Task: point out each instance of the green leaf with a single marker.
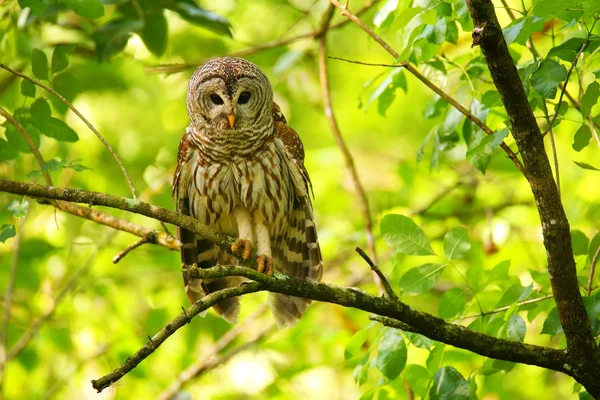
(60, 57)
(155, 32)
(456, 243)
(189, 11)
(546, 79)
(449, 384)
(17, 208)
(355, 343)
(385, 13)
(479, 156)
(567, 51)
(386, 91)
(594, 244)
(39, 64)
(586, 166)
(403, 235)
(419, 280)
(361, 371)
(434, 360)
(40, 110)
(498, 273)
(57, 129)
(67, 85)
(590, 98)
(516, 328)
(37, 7)
(112, 37)
(521, 29)
(552, 324)
(391, 355)
(27, 88)
(580, 242)
(557, 8)
(16, 140)
(417, 377)
(452, 303)
(8, 151)
(6, 232)
(417, 340)
(87, 8)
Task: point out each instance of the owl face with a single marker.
(229, 95)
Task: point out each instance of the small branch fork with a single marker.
(427, 82)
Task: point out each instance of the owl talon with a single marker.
(265, 263)
(242, 248)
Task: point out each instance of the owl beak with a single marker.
(231, 119)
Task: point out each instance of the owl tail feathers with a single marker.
(227, 309)
(287, 310)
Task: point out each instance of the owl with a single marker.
(240, 169)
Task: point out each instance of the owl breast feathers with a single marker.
(240, 169)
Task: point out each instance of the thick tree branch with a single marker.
(582, 348)
(415, 72)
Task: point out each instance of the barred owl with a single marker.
(240, 169)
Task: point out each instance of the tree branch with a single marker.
(555, 226)
(427, 82)
(182, 319)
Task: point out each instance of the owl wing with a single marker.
(296, 251)
(201, 252)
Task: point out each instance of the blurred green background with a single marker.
(112, 308)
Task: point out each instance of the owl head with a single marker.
(229, 94)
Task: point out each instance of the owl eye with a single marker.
(244, 97)
(216, 99)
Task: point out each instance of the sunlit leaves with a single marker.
(546, 79)
(516, 328)
(17, 208)
(57, 129)
(587, 166)
(403, 235)
(449, 384)
(189, 11)
(456, 243)
(567, 50)
(355, 344)
(590, 98)
(580, 242)
(452, 303)
(391, 354)
(40, 110)
(479, 155)
(60, 57)
(557, 8)
(419, 280)
(27, 88)
(87, 8)
(39, 64)
(385, 92)
(6, 232)
(521, 29)
(56, 164)
(112, 37)
(552, 324)
(417, 377)
(155, 32)
(385, 13)
(361, 371)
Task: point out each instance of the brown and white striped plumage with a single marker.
(240, 169)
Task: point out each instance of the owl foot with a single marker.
(242, 248)
(265, 263)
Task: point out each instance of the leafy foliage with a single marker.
(459, 239)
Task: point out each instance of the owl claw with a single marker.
(238, 245)
(265, 263)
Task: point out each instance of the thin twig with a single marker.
(508, 10)
(172, 68)
(89, 125)
(386, 284)
(443, 193)
(210, 360)
(428, 83)
(34, 328)
(181, 320)
(131, 247)
(500, 309)
(592, 271)
(363, 200)
(553, 145)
